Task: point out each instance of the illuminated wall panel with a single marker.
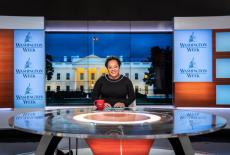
(29, 69)
(193, 56)
(223, 68)
(223, 94)
(222, 42)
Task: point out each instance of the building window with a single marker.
(67, 76)
(81, 88)
(127, 75)
(81, 76)
(58, 88)
(48, 88)
(136, 76)
(92, 76)
(67, 88)
(136, 89)
(58, 76)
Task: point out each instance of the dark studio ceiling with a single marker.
(114, 9)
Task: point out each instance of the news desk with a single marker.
(129, 131)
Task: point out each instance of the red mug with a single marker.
(99, 104)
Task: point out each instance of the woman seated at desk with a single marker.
(115, 89)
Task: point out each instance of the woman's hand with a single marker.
(107, 105)
(119, 105)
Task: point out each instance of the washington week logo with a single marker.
(28, 71)
(28, 97)
(192, 38)
(28, 64)
(28, 90)
(192, 63)
(28, 45)
(28, 38)
(192, 71)
(192, 44)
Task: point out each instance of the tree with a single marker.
(168, 71)
(160, 72)
(154, 58)
(49, 67)
(149, 77)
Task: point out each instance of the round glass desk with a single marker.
(117, 131)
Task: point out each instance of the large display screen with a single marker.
(77, 61)
(193, 56)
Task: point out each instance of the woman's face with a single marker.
(113, 68)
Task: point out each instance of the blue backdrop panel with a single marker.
(29, 69)
(193, 56)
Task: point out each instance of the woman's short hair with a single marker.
(112, 58)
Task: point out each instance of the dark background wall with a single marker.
(114, 9)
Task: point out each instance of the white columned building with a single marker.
(84, 72)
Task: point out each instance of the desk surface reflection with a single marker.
(134, 123)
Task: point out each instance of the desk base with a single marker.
(120, 146)
(182, 145)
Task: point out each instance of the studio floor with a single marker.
(161, 147)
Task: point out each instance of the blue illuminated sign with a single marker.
(29, 69)
(193, 56)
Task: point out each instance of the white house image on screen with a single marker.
(81, 74)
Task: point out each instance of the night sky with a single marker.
(135, 46)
